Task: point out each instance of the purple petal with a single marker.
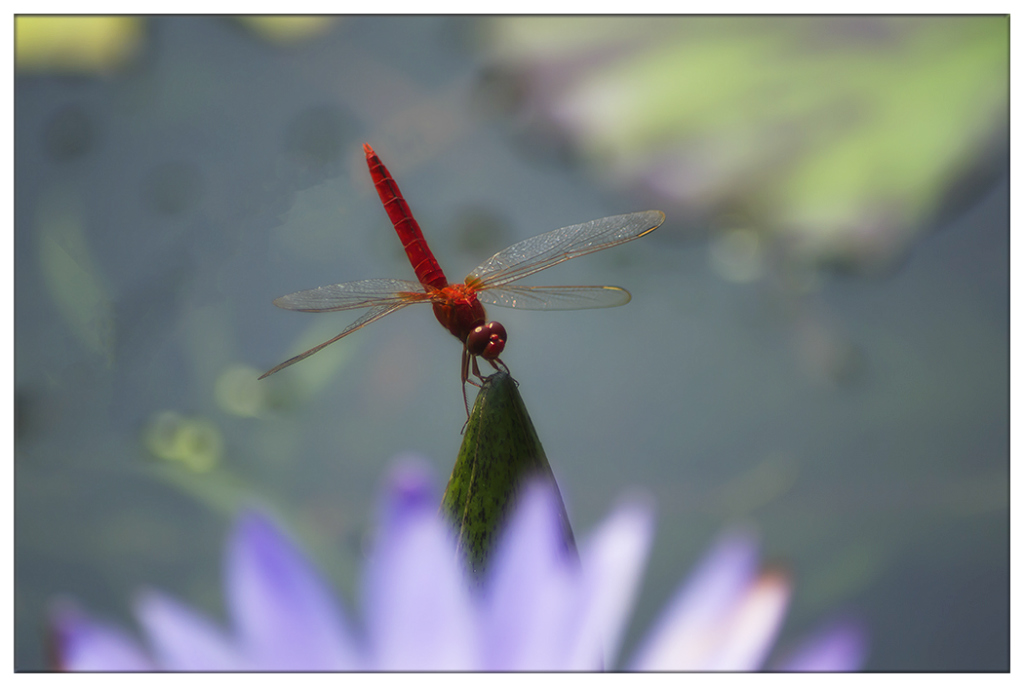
(83, 644)
(285, 615)
(680, 639)
(532, 596)
(408, 492)
(841, 647)
(182, 639)
(612, 559)
(415, 594)
(748, 631)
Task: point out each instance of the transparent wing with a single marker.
(541, 252)
(555, 297)
(366, 319)
(368, 293)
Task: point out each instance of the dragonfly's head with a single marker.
(487, 340)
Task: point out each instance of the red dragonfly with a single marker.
(459, 307)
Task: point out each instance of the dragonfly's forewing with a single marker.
(544, 251)
(368, 293)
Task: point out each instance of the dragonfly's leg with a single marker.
(498, 365)
(465, 378)
(466, 358)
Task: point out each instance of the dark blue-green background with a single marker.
(217, 171)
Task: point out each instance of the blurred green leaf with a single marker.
(72, 277)
(196, 443)
(288, 30)
(838, 135)
(75, 44)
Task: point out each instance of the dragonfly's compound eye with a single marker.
(487, 340)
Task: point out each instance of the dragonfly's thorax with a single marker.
(459, 311)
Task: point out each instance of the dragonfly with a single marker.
(460, 307)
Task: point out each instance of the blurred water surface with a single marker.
(165, 197)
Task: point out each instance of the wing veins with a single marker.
(368, 293)
(366, 319)
(533, 255)
(555, 297)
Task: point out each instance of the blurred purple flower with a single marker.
(538, 608)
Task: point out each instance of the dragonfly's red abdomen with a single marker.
(427, 269)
